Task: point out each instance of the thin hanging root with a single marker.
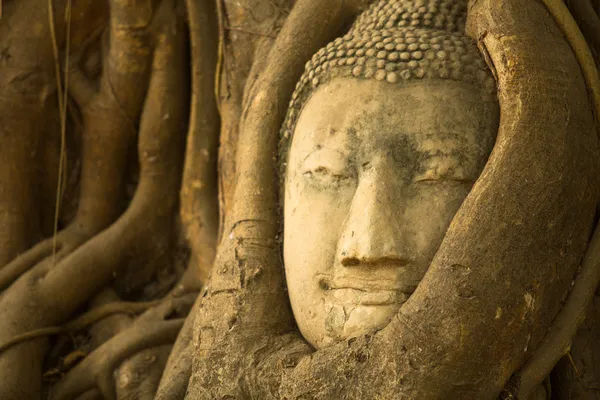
(150, 330)
(82, 321)
(220, 49)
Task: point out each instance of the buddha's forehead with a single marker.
(434, 114)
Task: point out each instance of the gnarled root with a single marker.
(153, 328)
(81, 322)
(139, 376)
(176, 375)
(110, 130)
(588, 21)
(26, 88)
(48, 294)
(199, 205)
(199, 200)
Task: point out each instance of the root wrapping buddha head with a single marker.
(387, 131)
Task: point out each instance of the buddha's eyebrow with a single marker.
(436, 144)
(328, 129)
(320, 147)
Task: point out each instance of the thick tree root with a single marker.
(27, 116)
(588, 20)
(199, 208)
(105, 329)
(48, 294)
(49, 251)
(253, 221)
(560, 334)
(109, 120)
(153, 328)
(199, 200)
(81, 322)
(24, 262)
(98, 370)
(138, 377)
(109, 133)
(92, 394)
(564, 19)
(177, 372)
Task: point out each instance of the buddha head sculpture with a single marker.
(387, 131)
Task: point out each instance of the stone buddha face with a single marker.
(375, 174)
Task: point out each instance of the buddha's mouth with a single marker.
(367, 293)
(369, 297)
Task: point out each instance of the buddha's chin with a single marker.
(345, 321)
(363, 319)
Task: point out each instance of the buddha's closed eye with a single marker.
(441, 173)
(443, 169)
(327, 167)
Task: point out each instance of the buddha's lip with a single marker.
(375, 292)
(369, 297)
(329, 282)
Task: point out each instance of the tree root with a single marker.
(98, 368)
(557, 342)
(153, 328)
(48, 251)
(24, 262)
(92, 394)
(560, 334)
(199, 207)
(19, 213)
(82, 322)
(589, 22)
(177, 372)
(48, 294)
(109, 134)
(27, 86)
(254, 212)
(581, 48)
(103, 330)
(138, 377)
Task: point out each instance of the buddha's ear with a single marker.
(510, 254)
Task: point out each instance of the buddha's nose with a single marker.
(372, 233)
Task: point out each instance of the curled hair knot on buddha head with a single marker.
(396, 41)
